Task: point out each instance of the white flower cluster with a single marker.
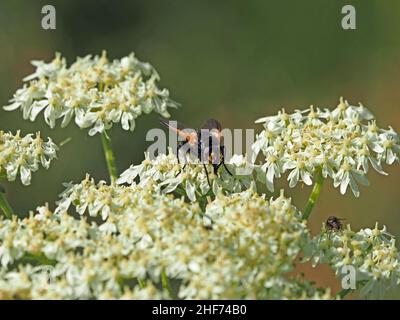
(55, 256)
(341, 144)
(261, 240)
(94, 91)
(372, 252)
(240, 247)
(191, 180)
(279, 288)
(24, 155)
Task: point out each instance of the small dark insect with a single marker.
(205, 143)
(334, 223)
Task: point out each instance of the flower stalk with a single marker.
(141, 283)
(109, 155)
(319, 180)
(4, 205)
(165, 282)
(37, 259)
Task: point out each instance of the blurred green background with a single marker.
(232, 60)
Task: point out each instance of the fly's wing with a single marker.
(211, 140)
(212, 124)
(211, 129)
(180, 129)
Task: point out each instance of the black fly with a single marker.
(334, 223)
(205, 143)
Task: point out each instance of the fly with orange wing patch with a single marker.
(204, 144)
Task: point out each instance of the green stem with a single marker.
(112, 169)
(142, 283)
(319, 180)
(165, 282)
(37, 259)
(4, 205)
(343, 293)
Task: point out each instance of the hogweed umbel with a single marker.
(20, 156)
(316, 144)
(24, 155)
(371, 252)
(189, 179)
(95, 93)
(239, 247)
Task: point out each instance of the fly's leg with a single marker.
(226, 168)
(216, 167)
(208, 178)
(181, 144)
(180, 170)
(222, 163)
(222, 150)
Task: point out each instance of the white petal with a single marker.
(49, 116)
(12, 172)
(129, 175)
(84, 120)
(37, 107)
(190, 191)
(293, 177)
(132, 124)
(390, 156)
(378, 148)
(25, 175)
(377, 166)
(125, 120)
(354, 187)
(344, 183)
(98, 127)
(67, 118)
(306, 178)
(172, 184)
(13, 106)
(270, 178)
